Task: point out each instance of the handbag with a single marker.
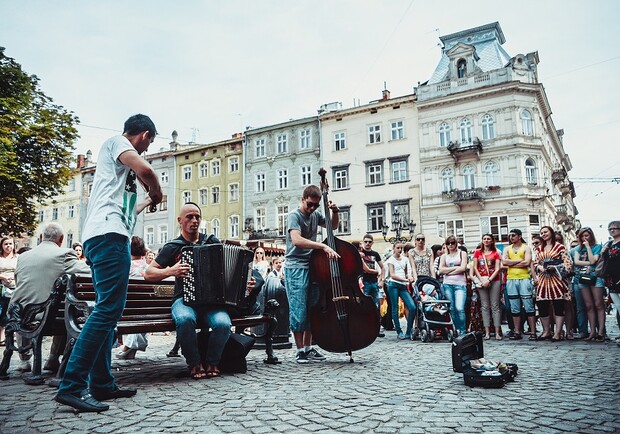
(601, 265)
(587, 279)
(479, 282)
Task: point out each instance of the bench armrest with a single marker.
(76, 310)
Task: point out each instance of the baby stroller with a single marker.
(434, 318)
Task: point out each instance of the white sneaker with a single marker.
(24, 366)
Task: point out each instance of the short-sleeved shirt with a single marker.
(490, 259)
(583, 256)
(307, 224)
(112, 203)
(170, 254)
(372, 259)
(400, 267)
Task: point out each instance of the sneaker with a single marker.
(408, 336)
(314, 356)
(401, 335)
(302, 357)
(509, 334)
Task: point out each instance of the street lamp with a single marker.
(398, 227)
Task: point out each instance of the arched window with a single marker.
(447, 180)
(491, 171)
(488, 127)
(203, 227)
(461, 68)
(215, 226)
(531, 174)
(444, 134)
(469, 177)
(526, 123)
(465, 127)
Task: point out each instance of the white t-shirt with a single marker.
(112, 203)
(400, 267)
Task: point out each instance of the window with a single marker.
(259, 148)
(71, 211)
(491, 171)
(306, 175)
(215, 168)
(233, 226)
(465, 127)
(69, 239)
(163, 205)
(397, 130)
(341, 178)
(340, 141)
(447, 180)
(71, 186)
(187, 173)
(204, 169)
(203, 227)
(374, 134)
(282, 179)
(374, 173)
(216, 227)
(305, 139)
(204, 196)
(233, 164)
(41, 215)
(162, 230)
(215, 195)
(498, 226)
(282, 143)
(187, 196)
(531, 174)
(163, 177)
(469, 177)
(149, 235)
(260, 182)
(534, 222)
(461, 68)
(344, 220)
(526, 123)
(444, 134)
(376, 216)
(55, 213)
(450, 227)
(261, 219)
(282, 219)
(233, 192)
(399, 171)
(488, 127)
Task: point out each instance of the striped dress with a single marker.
(551, 284)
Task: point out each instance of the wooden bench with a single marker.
(147, 310)
(33, 322)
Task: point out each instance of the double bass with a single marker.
(344, 319)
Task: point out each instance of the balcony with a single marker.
(471, 195)
(460, 150)
(558, 175)
(561, 214)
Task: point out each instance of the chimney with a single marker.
(386, 94)
(80, 161)
(237, 135)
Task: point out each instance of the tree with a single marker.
(36, 147)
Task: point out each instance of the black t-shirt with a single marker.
(170, 254)
(371, 258)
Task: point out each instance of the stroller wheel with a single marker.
(424, 335)
(431, 335)
(450, 335)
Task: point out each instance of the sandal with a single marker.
(213, 373)
(599, 338)
(498, 337)
(533, 337)
(487, 337)
(197, 373)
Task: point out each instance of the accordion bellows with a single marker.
(218, 274)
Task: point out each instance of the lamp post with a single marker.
(398, 227)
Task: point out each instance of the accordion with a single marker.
(218, 274)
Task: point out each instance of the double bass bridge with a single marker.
(341, 298)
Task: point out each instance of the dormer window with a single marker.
(461, 68)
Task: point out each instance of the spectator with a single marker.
(397, 287)
(611, 255)
(260, 263)
(487, 271)
(8, 262)
(79, 250)
(421, 259)
(150, 255)
(453, 266)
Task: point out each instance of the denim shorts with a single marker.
(302, 295)
(520, 291)
(600, 283)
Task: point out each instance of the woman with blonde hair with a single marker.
(452, 266)
(260, 263)
(421, 259)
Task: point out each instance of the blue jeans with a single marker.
(89, 364)
(582, 316)
(396, 290)
(302, 295)
(372, 289)
(457, 295)
(188, 318)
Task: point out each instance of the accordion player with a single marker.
(218, 274)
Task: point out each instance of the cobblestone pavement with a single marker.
(393, 386)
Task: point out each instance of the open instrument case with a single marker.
(468, 348)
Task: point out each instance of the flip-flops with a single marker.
(197, 373)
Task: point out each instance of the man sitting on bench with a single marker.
(187, 318)
(36, 271)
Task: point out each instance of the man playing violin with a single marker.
(300, 242)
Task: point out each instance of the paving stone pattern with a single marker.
(393, 387)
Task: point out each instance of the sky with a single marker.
(209, 69)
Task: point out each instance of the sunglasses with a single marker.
(420, 239)
(312, 204)
(586, 229)
(367, 242)
(536, 243)
(451, 243)
(613, 229)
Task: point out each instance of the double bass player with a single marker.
(300, 242)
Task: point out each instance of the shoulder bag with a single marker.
(601, 265)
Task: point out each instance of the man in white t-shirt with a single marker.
(109, 224)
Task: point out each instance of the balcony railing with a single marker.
(558, 175)
(561, 214)
(457, 149)
(472, 194)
